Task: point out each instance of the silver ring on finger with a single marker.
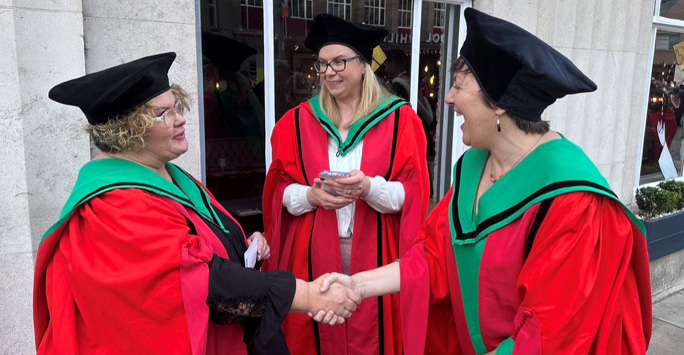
(349, 192)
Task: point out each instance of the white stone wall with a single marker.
(608, 41)
(123, 30)
(42, 145)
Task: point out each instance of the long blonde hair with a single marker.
(372, 94)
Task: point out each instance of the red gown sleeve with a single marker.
(585, 285)
(410, 168)
(114, 281)
(427, 317)
(284, 170)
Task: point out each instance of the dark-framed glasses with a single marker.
(170, 115)
(337, 65)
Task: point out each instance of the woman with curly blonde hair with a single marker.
(143, 259)
(354, 223)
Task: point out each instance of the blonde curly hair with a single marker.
(128, 133)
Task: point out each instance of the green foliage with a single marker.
(667, 198)
(676, 187)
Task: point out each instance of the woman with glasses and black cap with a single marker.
(345, 224)
(530, 252)
(143, 259)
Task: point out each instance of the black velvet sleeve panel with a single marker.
(258, 300)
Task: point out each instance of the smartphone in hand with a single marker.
(331, 175)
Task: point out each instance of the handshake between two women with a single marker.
(333, 297)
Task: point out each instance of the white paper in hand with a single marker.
(251, 253)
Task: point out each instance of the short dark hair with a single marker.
(529, 127)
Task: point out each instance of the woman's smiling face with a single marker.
(466, 99)
(346, 83)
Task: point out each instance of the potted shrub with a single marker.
(662, 210)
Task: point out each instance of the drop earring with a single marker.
(498, 124)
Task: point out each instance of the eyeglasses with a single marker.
(170, 115)
(337, 65)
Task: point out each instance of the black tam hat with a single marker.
(517, 70)
(225, 52)
(328, 29)
(117, 91)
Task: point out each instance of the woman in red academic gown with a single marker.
(360, 222)
(144, 260)
(530, 252)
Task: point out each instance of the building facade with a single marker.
(630, 49)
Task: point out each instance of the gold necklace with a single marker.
(491, 169)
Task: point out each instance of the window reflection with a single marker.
(340, 8)
(375, 12)
(232, 65)
(234, 97)
(431, 75)
(405, 13)
(673, 9)
(665, 108)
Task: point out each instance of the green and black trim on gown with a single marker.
(551, 263)
(131, 245)
(358, 130)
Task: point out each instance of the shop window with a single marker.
(663, 151)
(251, 13)
(340, 8)
(662, 156)
(405, 13)
(673, 9)
(233, 98)
(213, 15)
(375, 12)
(301, 9)
(252, 3)
(440, 14)
(434, 77)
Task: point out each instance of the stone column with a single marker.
(42, 143)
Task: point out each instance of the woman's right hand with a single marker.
(328, 281)
(318, 197)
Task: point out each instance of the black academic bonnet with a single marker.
(517, 70)
(117, 91)
(225, 52)
(328, 29)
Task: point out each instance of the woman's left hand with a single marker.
(264, 251)
(355, 186)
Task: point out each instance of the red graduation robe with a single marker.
(128, 268)
(308, 245)
(559, 272)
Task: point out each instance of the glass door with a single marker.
(441, 36)
(233, 99)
